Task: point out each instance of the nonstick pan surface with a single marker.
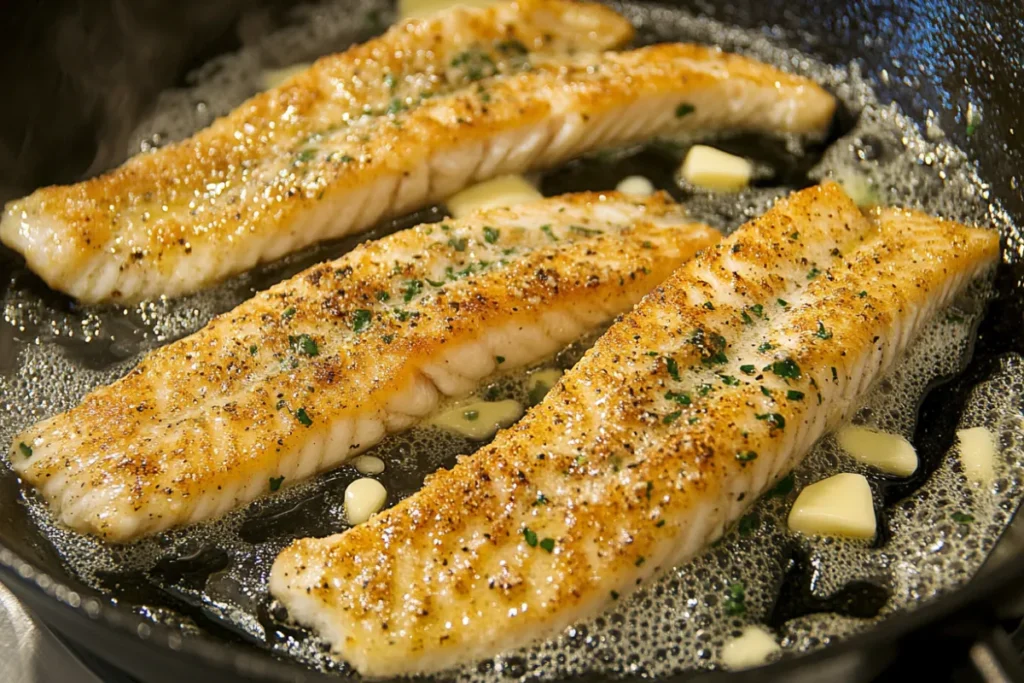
(926, 56)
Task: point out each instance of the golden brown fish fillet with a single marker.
(319, 367)
(315, 159)
(709, 391)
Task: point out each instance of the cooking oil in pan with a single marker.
(935, 529)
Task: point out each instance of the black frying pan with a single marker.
(60, 124)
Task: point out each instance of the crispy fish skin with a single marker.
(695, 403)
(147, 228)
(406, 154)
(318, 368)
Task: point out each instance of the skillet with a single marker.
(926, 56)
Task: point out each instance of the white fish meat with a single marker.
(318, 158)
(318, 368)
(712, 389)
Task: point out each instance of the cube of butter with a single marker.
(838, 506)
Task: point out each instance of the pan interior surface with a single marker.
(210, 580)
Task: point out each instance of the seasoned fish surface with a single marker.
(338, 160)
(697, 401)
(319, 367)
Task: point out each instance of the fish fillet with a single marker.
(337, 160)
(318, 368)
(713, 388)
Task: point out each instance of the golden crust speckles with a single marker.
(703, 396)
(223, 200)
(317, 368)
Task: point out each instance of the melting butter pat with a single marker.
(751, 648)
(363, 498)
(713, 169)
(540, 382)
(837, 506)
(890, 453)
(368, 464)
(410, 9)
(507, 190)
(275, 77)
(636, 186)
(978, 453)
(478, 420)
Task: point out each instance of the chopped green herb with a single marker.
(541, 499)
(434, 283)
(746, 456)
(794, 236)
(361, 319)
(471, 415)
(794, 395)
(530, 536)
(758, 310)
(640, 560)
(511, 47)
(548, 544)
(303, 343)
(787, 368)
(813, 273)
(822, 333)
(388, 338)
(783, 488)
(863, 293)
(708, 305)
(475, 63)
(774, 420)
(729, 380)
(302, 416)
(491, 234)
(25, 449)
(673, 367)
(614, 594)
(693, 420)
(389, 80)
(962, 518)
(275, 483)
(782, 302)
(672, 417)
(684, 110)
(280, 404)
(766, 391)
(412, 288)
(499, 359)
(765, 347)
(704, 388)
(288, 313)
(305, 155)
(735, 599)
(458, 243)
(253, 350)
(680, 397)
(587, 232)
(546, 229)
(747, 320)
(748, 369)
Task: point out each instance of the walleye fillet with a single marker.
(707, 393)
(315, 160)
(319, 367)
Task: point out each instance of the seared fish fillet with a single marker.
(317, 159)
(701, 398)
(318, 368)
